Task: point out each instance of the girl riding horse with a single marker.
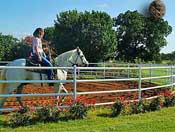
(38, 52)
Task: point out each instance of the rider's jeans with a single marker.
(45, 62)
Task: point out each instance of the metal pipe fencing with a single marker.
(75, 80)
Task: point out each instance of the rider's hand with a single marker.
(45, 49)
(39, 59)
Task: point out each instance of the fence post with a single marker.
(140, 83)
(171, 78)
(128, 70)
(104, 71)
(78, 73)
(75, 82)
(150, 73)
(167, 73)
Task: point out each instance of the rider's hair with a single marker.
(38, 32)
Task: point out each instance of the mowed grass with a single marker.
(98, 121)
(156, 73)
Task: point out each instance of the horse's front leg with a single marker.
(58, 89)
(19, 91)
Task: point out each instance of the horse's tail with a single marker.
(3, 86)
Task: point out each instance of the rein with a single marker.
(75, 61)
(78, 55)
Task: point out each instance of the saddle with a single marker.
(31, 62)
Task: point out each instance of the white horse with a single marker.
(67, 59)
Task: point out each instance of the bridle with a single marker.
(81, 58)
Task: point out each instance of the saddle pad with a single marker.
(30, 62)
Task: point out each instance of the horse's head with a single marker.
(78, 58)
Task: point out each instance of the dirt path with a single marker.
(84, 87)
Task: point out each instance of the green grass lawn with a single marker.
(159, 121)
(132, 74)
(158, 72)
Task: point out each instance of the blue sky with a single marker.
(20, 17)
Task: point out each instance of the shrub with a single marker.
(137, 107)
(48, 114)
(146, 105)
(79, 107)
(117, 108)
(26, 116)
(22, 117)
(23, 110)
(78, 110)
(20, 120)
(155, 104)
(169, 101)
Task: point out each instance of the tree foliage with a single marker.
(28, 40)
(140, 37)
(168, 56)
(49, 34)
(21, 50)
(155, 34)
(11, 48)
(91, 31)
(136, 36)
(7, 42)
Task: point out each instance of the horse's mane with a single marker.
(66, 53)
(62, 59)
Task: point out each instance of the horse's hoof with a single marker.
(51, 84)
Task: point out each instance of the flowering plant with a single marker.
(118, 106)
(169, 99)
(22, 117)
(156, 104)
(48, 113)
(79, 107)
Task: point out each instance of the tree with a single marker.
(28, 40)
(11, 48)
(49, 34)
(20, 50)
(155, 33)
(168, 56)
(130, 26)
(7, 42)
(140, 37)
(91, 31)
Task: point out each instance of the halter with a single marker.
(78, 55)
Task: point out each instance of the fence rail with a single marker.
(75, 78)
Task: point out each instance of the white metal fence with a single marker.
(87, 71)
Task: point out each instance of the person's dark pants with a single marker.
(45, 62)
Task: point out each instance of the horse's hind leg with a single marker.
(9, 90)
(19, 91)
